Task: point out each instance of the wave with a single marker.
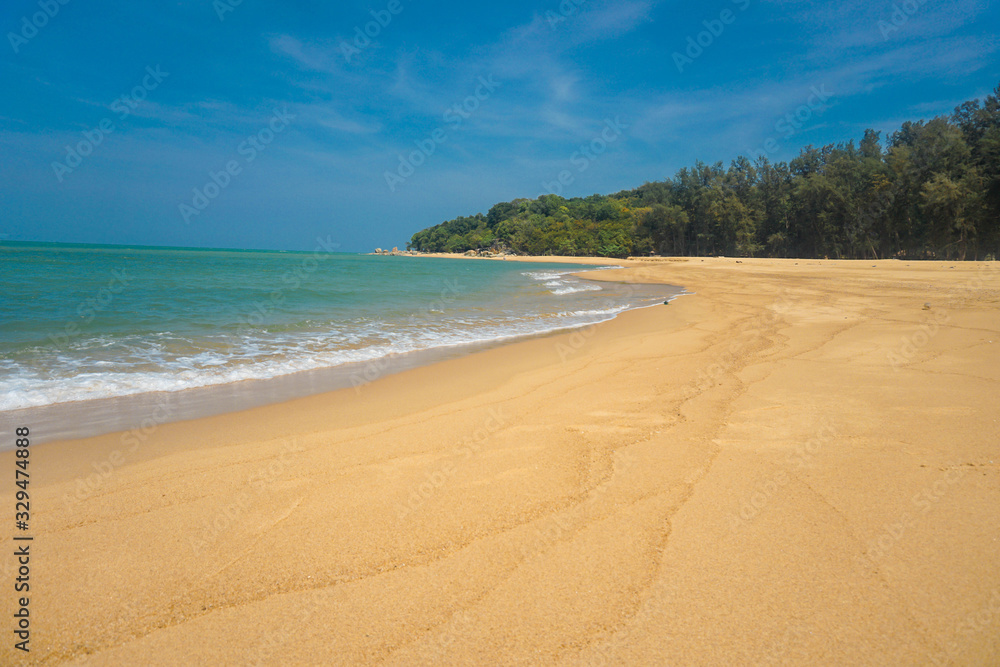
(153, 365)
(173, 350)
(561, 283)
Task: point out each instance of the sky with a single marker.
(269, 125)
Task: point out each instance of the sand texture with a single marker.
(796, 464)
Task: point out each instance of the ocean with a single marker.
(83, 322)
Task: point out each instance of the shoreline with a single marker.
(78, 419)
(796, 463)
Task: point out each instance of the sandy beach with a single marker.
(795, 464)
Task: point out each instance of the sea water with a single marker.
(82, 322)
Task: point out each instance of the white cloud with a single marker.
(611, 20)
(308, 56)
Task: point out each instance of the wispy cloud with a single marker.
(611, 20)
(559, 82)
(318, 58)
(336, 122)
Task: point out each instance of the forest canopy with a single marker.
(929, 190)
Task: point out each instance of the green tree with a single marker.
(952, 207)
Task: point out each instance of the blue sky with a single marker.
(300, 131)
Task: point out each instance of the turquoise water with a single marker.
(82, 322)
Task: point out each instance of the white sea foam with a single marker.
(107, 365)
(571, 288)
(140, 366)
(562, 283)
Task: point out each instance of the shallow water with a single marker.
(83, 327)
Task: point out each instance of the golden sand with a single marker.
(797, 464)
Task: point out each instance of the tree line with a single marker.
(929, 190)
